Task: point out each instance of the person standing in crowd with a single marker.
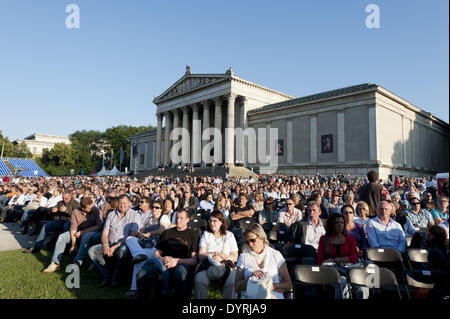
(371, 193)
(383, 231)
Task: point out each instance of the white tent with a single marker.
(113, 172)
(103, 172)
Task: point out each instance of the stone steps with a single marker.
(201, 171)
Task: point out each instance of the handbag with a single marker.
(150, 242)
(259, 288)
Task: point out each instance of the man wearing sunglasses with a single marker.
(289, 214)
(419, 217)
(144, 211)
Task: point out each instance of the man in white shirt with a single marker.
(289, 214)
(309, 230)
(383, 231)
(315, 228)
(207, 204)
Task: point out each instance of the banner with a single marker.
(122, 155)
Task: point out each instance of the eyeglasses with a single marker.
(142, 202)
(415, 203)
(156, 207)
(252, 240)
(348, 212)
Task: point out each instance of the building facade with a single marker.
(36, 143)
(349, 130)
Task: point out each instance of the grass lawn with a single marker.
(21, 277)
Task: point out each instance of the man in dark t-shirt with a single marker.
(175, 258)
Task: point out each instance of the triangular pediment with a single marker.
(190, 83)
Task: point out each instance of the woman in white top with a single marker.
(217, 248)
(283, 193)
(261, 260)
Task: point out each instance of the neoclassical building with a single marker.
(36, 143)
(349, 130)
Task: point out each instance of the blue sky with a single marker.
(55, 80)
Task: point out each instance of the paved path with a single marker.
(11, 237)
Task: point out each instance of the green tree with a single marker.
(87, 147)
(21, 150)
(117, 137)
(6, 146)
(59, 160)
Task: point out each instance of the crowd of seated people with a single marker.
(171, 236)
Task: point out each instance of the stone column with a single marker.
(176, 121)
(218, 126)
(229, 134)
(205, 125)
(186, 137)
(167, 131)
(196, 135)
(241, 140)
(158, 139)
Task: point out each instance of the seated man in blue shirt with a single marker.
(440, 214)
(383, 231)
(118, 226)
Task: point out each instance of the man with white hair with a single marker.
(383, 231)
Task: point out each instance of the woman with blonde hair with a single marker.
(259, 262)
(362, 213)
(258, 201)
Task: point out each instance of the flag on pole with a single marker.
(122, 155)
(112, 156)
(103, 160)
(82, 171)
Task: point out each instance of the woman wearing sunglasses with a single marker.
(261, 260)
(218, 253)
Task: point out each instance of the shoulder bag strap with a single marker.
(327, 248)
